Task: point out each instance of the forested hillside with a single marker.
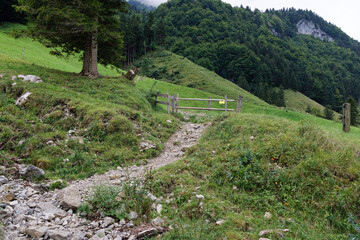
(263, 50)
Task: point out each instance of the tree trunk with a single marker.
(94, 54)
(86, 61)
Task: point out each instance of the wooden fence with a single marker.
(173, 103)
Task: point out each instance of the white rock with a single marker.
(108, 221)
(133, 215)
(122, 222)
(3, 180)
(152, 197)
(157, 221)
(69, 198)
(220, 222)
(268, 215)
(21, 100)
(269, 231)
(30, 78)
(159, 208)
(95, 238)
(50, 211)
(118, 238)
(21, 209)
(13, 203)
(200, 197)
(308, 28)
(100, 233)
(13, 78)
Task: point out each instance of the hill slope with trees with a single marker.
(255, 49)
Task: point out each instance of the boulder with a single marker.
(21, 100)
(31, 171)
(108, 221)
(58, 234)
(21, 209)
(6, 212)
(36, 232)
(3, 180)
(50, 211)
(69, 198)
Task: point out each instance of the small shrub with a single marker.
(151, 94)
(117, 202)
(329, 113)
(58, 185)
(196, 229)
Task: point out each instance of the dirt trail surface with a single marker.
(29, 211)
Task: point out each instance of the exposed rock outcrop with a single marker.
(21, 100)
(30, 78)
(308, 28)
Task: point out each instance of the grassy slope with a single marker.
(176, 69)
(298, 101)
(36, 53)
(109, 114)
(249, 164)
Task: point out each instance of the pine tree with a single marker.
(281, 98)
(328, 112)
(160, 33)
(72, 26)
(354, 111)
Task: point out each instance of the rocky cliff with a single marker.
(309, 28)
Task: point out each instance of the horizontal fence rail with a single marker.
(173, 103)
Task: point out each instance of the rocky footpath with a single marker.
(29, 210)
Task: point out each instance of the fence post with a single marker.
(156, 98)
(177, 102)
(23, 53)
(210, 102)
(168, 101)
(346, 117)
(239, 104)
(173, 103)
(225, 103)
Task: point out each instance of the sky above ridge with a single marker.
(345, 14)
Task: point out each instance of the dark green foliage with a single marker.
(143, 33)
(8, 12)
(328, 112)
(252, 48)
(139, 6)
(69, 28)
(308, 109)
(354, 111)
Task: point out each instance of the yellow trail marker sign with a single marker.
(222, 102)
